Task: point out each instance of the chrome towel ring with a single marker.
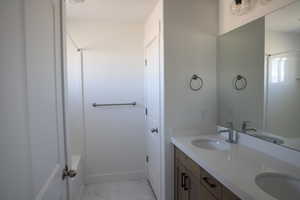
(195, 77)
(240, 82)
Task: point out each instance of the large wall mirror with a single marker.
(259, 77)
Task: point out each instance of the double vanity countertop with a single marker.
(236, 167)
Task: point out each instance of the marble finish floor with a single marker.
(121, 190)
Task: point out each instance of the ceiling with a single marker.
(286, 20)
(131, 11)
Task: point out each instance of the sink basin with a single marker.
(279, 186)
(211, 144)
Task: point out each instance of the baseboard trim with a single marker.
(101, 178)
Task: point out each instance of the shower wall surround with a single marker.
(113, 73)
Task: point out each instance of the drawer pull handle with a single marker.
(183, 180)
(187, 183)
(206, 180)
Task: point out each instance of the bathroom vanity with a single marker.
(258, 97)
(209, 168)
(192, 182)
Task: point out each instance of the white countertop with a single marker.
(236, 168)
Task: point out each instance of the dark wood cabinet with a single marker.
(182, 192)
(194, 189)
(188, 185)
(194, 183)
(228, 195)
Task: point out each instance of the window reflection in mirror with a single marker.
(267, 53)
(282, 113)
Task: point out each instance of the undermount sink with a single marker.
(279, 186)
(211, 144)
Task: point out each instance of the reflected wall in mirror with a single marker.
(266, 53)
(282, 109)
(241, 53)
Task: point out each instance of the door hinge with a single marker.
(146, 62)
(146, 111)
(68, 173)
(147, 159)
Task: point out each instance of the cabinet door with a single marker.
(193, 185)
(182, 192)
(196, 191)
(211, 184)
(176, 178)
(204, 194)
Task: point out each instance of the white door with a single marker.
(32, 136)
(44, 84)
(153, 133)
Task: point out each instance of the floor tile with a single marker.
(122, 190)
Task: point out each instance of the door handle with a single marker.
(68, 173)
(154, 130)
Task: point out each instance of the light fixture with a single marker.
(240, 7)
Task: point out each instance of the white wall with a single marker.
(228, 22)
(75, 122)
(75, 116)
(190, 35)
(152, 23)
(15, 167)
(190, 48)
(242, 52)
(113, 73)
(278, 42)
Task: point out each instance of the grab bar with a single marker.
(114, 104)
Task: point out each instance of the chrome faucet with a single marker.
(245, 128)
(232, 134)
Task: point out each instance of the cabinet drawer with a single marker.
(205, 195)
(228, 195)
(188, 163)
(211, 184)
